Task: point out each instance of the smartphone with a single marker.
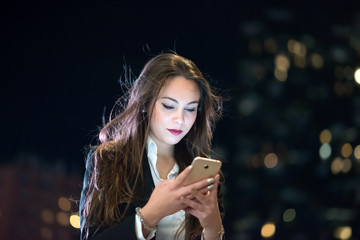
(202, 168)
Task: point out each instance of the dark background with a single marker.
(60, 70)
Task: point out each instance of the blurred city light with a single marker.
(343, 233)
(271, 160)
(317, 61)
(346, 150)
(289, 215)
(325, 136)
(280, 74)
(340, 165)
(357, 152)
(357, 76)
(75, 220)
(268, 230)
(62, 218)
(325, 151)
(282, 62)
(64, 204)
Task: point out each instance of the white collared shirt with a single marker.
(168, 226)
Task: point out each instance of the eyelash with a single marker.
(170, 108)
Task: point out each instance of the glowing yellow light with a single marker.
(357, 76)
(46, 233)
(280, 75)
(346, 150)
(47, 216)
(282, 62)
(289, 215)
(268, 230)
(271, 160)
(336, 165)
(297, 48)
(357, 152)
(64, 204)
(62, 218)
(346, 165)
(325, 151)
(75, 221)
(343, 233)
(290, 45)
(317, 61)
(325, 136)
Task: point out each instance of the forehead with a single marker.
(180, 88)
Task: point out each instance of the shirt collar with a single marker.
(152, 157)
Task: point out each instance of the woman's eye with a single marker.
(167, 107)
(191, 109)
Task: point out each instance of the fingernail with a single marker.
(210, 180)
(190, 167)
(211, 186)
(192, 190)
(182, 198)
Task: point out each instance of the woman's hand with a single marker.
(205, 207)
(166, 197)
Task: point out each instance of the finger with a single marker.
(190, 203)
(199, 196)
(200, 184)
(182, 176)
(213, 193)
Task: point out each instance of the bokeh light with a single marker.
(357, 76)
(268, 230)
(347, 164)
(289, 215)
(282, 62)
(325, 151)
(271, 160)
(340, 165)
(317, 61)
(75, 220)
(64, 204)
(346, 150)
(357, 152)
(280, 74)
(343, 232)
(62, 218)
(325, 136)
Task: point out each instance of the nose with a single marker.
(178, 117)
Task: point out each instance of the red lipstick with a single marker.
(174, 131)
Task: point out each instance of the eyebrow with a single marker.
(174, 100)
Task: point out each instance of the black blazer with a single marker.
(125, 229)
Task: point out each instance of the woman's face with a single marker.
(175, 111)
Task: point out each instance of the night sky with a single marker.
(61, 64)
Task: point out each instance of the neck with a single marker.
(165, 160)
(166, 151)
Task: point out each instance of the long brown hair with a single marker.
(117, 174)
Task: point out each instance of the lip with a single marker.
(175, 132)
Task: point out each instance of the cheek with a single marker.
(191, 120)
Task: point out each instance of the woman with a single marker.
(133, 181)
